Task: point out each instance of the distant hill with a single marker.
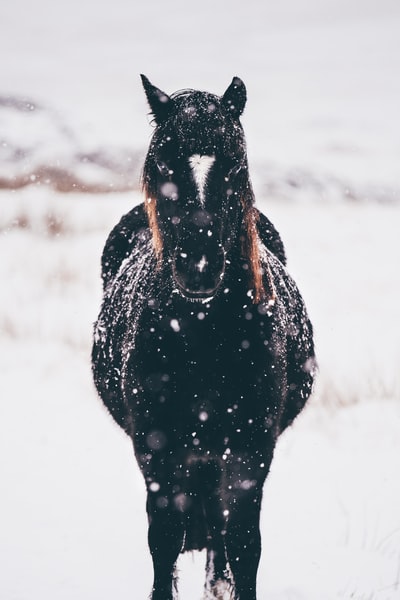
(37, 147)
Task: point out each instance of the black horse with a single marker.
(203, 350)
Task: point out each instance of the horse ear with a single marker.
(235, 97)
(160, 103)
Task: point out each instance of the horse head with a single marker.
(199, 197)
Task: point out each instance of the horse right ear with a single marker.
(160, 103)
(235, 97)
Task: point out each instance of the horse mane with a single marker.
(250, 246)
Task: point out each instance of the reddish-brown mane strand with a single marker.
(251, 252)
(151, 211)
(250, 243)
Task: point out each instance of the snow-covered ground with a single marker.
(72, 516)
(324, 145)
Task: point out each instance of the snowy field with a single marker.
(73, 505)
(324, 146)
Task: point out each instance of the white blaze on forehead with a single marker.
(201, 166)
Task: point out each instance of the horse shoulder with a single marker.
(298, 331)
(270, 237)
(122, 240)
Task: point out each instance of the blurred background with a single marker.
(323, 136)
(322, 80)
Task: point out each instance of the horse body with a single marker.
(199, 361)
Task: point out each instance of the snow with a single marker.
(73, 503)
(323, 136)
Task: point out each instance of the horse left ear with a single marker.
(235, 97)
(160, 103)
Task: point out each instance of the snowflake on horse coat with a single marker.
(203, 350)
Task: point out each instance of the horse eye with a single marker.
(164, 169)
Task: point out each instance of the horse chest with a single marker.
(204, 374)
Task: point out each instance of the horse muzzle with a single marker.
(198, 269)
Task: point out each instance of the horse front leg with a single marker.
(218, 583)
(245, 477)
(165, 537)
(209, 475)
(243, 542)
